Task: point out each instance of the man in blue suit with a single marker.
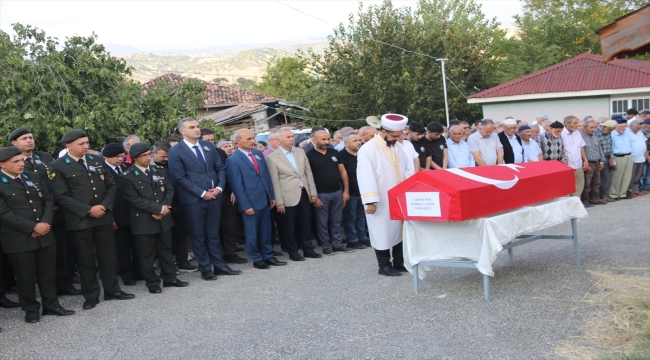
(199, 172)
(250, 181)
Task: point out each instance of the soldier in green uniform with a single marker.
(37, 161)
(149, 192)
(26, 210)
(86, 191)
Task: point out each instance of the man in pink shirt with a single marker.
(273, 141)
(574, 152)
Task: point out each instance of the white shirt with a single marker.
(573, 142)
(516, 149)
(339, 146)
(531, 150)
(114, 167)
(292, 160)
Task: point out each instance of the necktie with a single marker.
(19, 180)
(257, 168)
(200, 156)
(82, 163)
(28, 160)
(118, 170)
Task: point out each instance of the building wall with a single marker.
(556, 109)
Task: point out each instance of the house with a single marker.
(583, 85)
(234, 108)
(217, 97)
(628, 35)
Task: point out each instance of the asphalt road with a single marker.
(338, 307)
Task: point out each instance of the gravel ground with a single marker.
(338, 307)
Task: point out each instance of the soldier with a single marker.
(37, 161)
(150, 194)
(86, 190)
(26, 210)
(127, 257)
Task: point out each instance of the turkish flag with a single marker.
(468, 193)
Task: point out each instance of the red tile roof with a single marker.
(581, 73)
(215, 94)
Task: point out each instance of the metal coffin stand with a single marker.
(520, 240)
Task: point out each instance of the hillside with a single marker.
(231, 65)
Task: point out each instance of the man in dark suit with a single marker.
(37, 161)
(199, 172)
(513, 150)
(84, 188)
(180, 233)
(148, 191)
(26, 210)
(250, 181)
(127, 256)
(229, 215)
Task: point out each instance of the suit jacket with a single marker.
(508, 155)
(120, 205)
(192, 178)
(77, 189)
(21, 208)
(286, 180)
(308, 146)
(251, 189)
(146, 196)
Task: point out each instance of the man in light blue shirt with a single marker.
(458, 150)
(622, 149)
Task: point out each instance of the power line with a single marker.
(377, 41)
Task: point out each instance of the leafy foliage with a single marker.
(52, 88)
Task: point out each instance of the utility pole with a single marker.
(444, 87)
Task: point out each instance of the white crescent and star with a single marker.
(501, 184)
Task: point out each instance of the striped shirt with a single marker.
(605, 141)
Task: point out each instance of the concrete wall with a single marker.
(556, 109)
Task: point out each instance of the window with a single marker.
(619, 106)
(641, 104)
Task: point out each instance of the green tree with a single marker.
(288, 78)
(360, 74)
(553, 31)
(52, 88)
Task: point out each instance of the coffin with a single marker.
(468, 193)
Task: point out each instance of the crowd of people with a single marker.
(136, 207)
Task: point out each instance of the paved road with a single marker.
(338, 307)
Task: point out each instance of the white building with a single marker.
(583, 85)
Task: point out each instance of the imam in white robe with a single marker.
(380, 168)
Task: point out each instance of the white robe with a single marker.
(379, 168)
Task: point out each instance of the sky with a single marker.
(164, 25)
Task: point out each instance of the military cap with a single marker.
(73, 135)
(138, 149)
(8, 152)
(557, 125)
(18, 133)
(112, 150)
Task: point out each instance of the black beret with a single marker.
(73, 135)
(138, 149)
(9, 152)
(112, 150)
(18, 133)
(557, 125)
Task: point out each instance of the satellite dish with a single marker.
(373, 121)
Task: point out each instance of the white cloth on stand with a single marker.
(479, 240)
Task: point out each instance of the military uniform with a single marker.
(38, 163)
(146, 193)
(77, 188)
(22, 205)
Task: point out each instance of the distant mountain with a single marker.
(118, 49)
(227, 63)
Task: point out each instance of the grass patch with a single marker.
(619, 328)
